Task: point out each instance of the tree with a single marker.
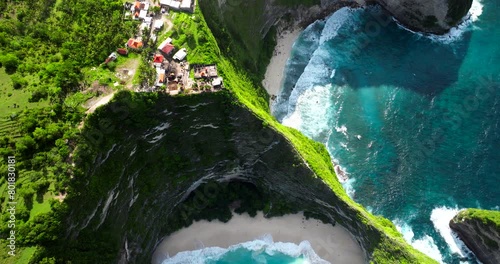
(10, 62)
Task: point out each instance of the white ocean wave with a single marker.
(440, 218)
(335, 22)
(425, 244)
(318, 70)
(349, 188)
(258, 246)
(311, 112)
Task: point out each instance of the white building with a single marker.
(174, 4)
(180, 55)
(143, 14)
(217, 82)
(186, 5)
(160, 77)
(158, 24)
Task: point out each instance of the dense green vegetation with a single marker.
(242, 43)
(191, 32)
(46, 46)
(487, 217)
(47, 50)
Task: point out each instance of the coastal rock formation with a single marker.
(154, 153)
(431, 16)
(480, 231)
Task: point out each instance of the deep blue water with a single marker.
(414, 120)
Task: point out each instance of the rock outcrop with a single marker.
(480, 231)
(430, 16)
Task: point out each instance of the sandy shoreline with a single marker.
(282, 51)
(331, 243)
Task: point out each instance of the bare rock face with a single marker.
(480, 233)
(430, 16)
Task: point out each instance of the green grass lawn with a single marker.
(23, 255)
(10, 96)
(40, 207)
(488, 217)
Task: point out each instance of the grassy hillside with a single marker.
(487, 217)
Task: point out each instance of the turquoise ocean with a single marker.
(414, 120)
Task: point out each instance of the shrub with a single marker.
(18, 81)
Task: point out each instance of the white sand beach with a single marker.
(274, 73)
(331, 243)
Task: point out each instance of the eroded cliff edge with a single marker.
(431, 16)
(255, 18)
(145, 155)
(480, 231)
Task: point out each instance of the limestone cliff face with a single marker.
(432, 16)
(152, 158)
(481, 236)
(205, 139)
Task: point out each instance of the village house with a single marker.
(166, 47)
(158, 60)
(153, 37)
(180, 55)
(122, 51)
(158, 24)
(205, 71)
(184, 5)
(160, 77)
(134, 44)
(140, 10)
(111, 58)
(217, 83)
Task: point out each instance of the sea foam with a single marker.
(259, 246)
(440, 218)
(425, 244)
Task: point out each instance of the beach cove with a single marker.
(331, 243)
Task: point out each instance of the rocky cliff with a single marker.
(257, 16)
(480, 231)
(146, 156)
(432, 16)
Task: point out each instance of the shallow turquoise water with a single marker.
(243, 256)
(414, 120)
(260, 251)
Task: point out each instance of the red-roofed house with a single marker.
(167, 49)
(134, 44)
(138, 5)
(122, 51)
(158, 60)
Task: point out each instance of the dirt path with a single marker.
(101, 101)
